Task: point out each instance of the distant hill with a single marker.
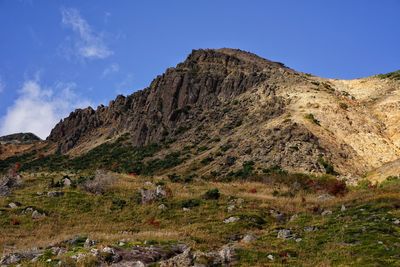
(22, 138)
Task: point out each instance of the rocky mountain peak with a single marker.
(204, 80)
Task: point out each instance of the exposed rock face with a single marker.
(204, 80)
(221, 93)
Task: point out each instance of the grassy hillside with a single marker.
(357, 227)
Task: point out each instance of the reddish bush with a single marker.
(253, 190)
(114, 166)
(17, 166)
(154, 222)
(336, 187)
(15, 222)
(331, 186)
(372, 186)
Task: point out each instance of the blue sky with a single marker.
(60, 55)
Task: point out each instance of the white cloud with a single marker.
(86, 43)
(113, 68)
(37, 109)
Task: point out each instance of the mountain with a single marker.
(221, 109)
(263, 111)
(258, 165)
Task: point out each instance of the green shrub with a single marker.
(225, 147)
(246, 171)
(190, 203)
(169, 161)
(312, 119)
(174, 178)
(274, 169)
(118, 204)
(329, 169)
(202, 149)
(212, 194)
(189, 178)
(207, 160)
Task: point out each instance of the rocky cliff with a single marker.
(204, 80)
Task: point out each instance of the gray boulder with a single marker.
(285, 234)
(184, 259)
(227, 253)
(326, 212)
(249, 238)
(8, 182)
(152, 195)
(231, 219)
(37, 215)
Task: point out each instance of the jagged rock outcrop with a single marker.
(204, 80)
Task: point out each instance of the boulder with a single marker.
(326, 212)
(231, 219)
(152, 195)
(14, 205)
(249, 238)
(227, 253)
(285, 234)
(231, 208)
(184, 259)
(66, 182)
(89, 243)
(8, 182)
(162, 207)
(37, 215)
(16, 258)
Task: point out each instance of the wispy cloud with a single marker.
(38, 108)
(85, 43)
(113, 68)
